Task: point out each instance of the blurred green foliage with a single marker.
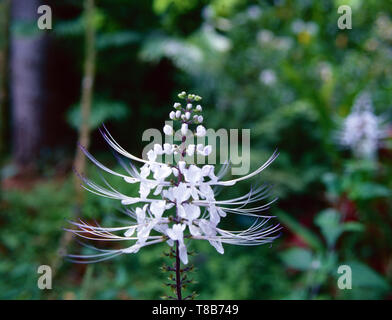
(282, 69)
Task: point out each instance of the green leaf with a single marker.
(364, 276)
(297, 258)
(353, 226)
(309, 237)
(116, 39)
(101, 111)
(368, 190)
(69, 28)
(329, 222)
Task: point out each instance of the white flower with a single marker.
(168, 130)
(161, 172)
(178, 194)
(362, 129)
(167, 148)
(268, 77)
(187, 115)
(144, 190)
(189, 106)
(200, 131)
(199, 108)
(158, 149)
(190, 150)
(193, 175)
(254, 12)
(184, 129)
(184, 206)
(208, 171)
(210, 231)
(299, 26)
(158, 207)
(145, 171)
(177, 234)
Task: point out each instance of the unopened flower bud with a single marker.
(198, 108)
(200, 119)
(182, 95)
(177, 106)
(189, 106)
(207, 150)
(168, 130)
(172, 115)
(187, 115)
(200, 131)
(178, 114)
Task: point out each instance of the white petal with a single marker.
(191, 211)
(158, 207)
(184, 129)
(207, 150)
(195, 231)
(151, 155)
(129, 201)
(218, 246)
(183, 253)
(130, 232)
(158, 149)
(181, 211)
(133, 249)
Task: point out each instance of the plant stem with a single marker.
(87, 96)
(84, 128)
(178, 273)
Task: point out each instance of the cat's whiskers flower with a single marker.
(188, 188)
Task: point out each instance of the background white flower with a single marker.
(362, 130)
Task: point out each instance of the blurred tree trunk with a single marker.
(27, 62)
(87, 95)
(4, 39)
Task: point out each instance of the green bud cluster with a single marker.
(185, 281)
(190, 97)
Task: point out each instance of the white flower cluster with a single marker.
(299, 26)
(175, 202)
(362, 129)
(268, 77)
